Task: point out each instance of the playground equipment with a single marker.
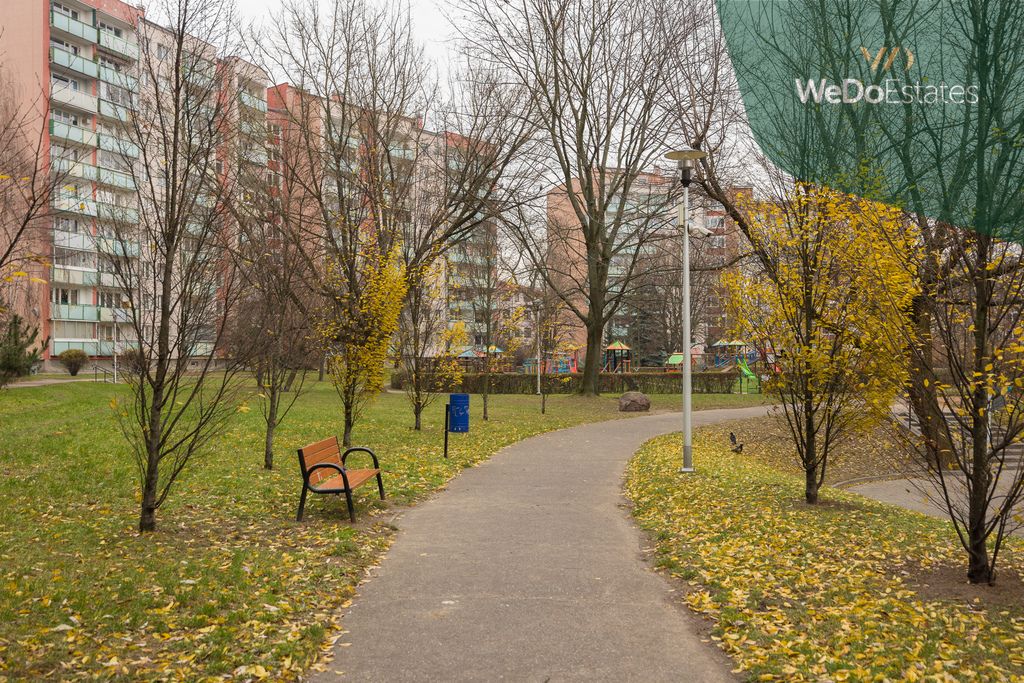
(617, 358)
(746, 375)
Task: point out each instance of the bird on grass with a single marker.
(736, 447)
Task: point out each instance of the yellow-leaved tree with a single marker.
(829, 314)
(357, 326)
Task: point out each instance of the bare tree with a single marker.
(166, 244)
(595, 72)
(484, 292)
(272, 326)
(350, 117)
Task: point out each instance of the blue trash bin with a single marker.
(458, 415)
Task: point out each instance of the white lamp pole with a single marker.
(536, 330)
(686, 159)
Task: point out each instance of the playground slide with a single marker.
(745, 369)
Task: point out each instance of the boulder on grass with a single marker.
(634, 402)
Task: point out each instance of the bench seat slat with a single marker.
(355, 479)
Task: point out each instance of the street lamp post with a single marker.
(686, 159)
(536, 332)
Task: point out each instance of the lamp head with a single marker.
(686, 158)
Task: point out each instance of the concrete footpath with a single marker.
(527, 568)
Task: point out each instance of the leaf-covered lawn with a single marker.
(802, 593)
(230, 585)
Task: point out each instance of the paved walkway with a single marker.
(527, 568)
(919, 495)
(29, 383)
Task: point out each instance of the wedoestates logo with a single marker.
(889, 91)
(916, 104)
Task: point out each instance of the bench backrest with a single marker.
(327, 450)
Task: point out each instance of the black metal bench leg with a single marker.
(302, 505)
(380, 486)
(351, 508)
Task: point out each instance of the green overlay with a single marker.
(916, 104)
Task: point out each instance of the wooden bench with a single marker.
(323, 471)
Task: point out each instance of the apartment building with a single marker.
(76, 64)
(649, 254)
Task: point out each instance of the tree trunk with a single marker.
(323, 363)
(268, 450)
(147, 518)
(811, 486)
(417, 411)
(924, 400)
(592, 360)
(543, 403)
(349, 421)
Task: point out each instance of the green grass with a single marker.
(802, 592)
(230, 584)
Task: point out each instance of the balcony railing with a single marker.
(76, 63)
(112, 245)
(118, 78)
(109, 315)
(109, 176)
(252, 102)
(73, 98)
(115, 213)
(120, 46)
(73, 27)
(73, 240)
(89, 278)
(64, 131)
(75, 312)
(113, 111)
(120, 146)
(75, 169)
(65, 201)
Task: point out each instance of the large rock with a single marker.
(634, 402)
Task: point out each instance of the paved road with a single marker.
(527, 568)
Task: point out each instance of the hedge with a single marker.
(612, 383)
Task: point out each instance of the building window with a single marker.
(65, 10)
(66, 225)
(59, 81)
(65, 296)
(162, 51)
(110, 298)
(63, 45)
(109, 29)
(73, 258)
(62, 116)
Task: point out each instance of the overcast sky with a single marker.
(432, 29)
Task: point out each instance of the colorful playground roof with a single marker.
(617, 346)
(675, 359)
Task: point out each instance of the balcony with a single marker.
(75, 63)
(115, 213)
(252, 102)
(88, 278)
(118, 78)
(114, 111)
(73, 98)
(75, 312)
(110, 315)
(64, 131)
(255, 155)
(120, 146)
(89, 346)
(75, 169)
(119, 46)
(73, 240)
(65, 201)
(73, 27)
(112, 245)
(109, 176)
